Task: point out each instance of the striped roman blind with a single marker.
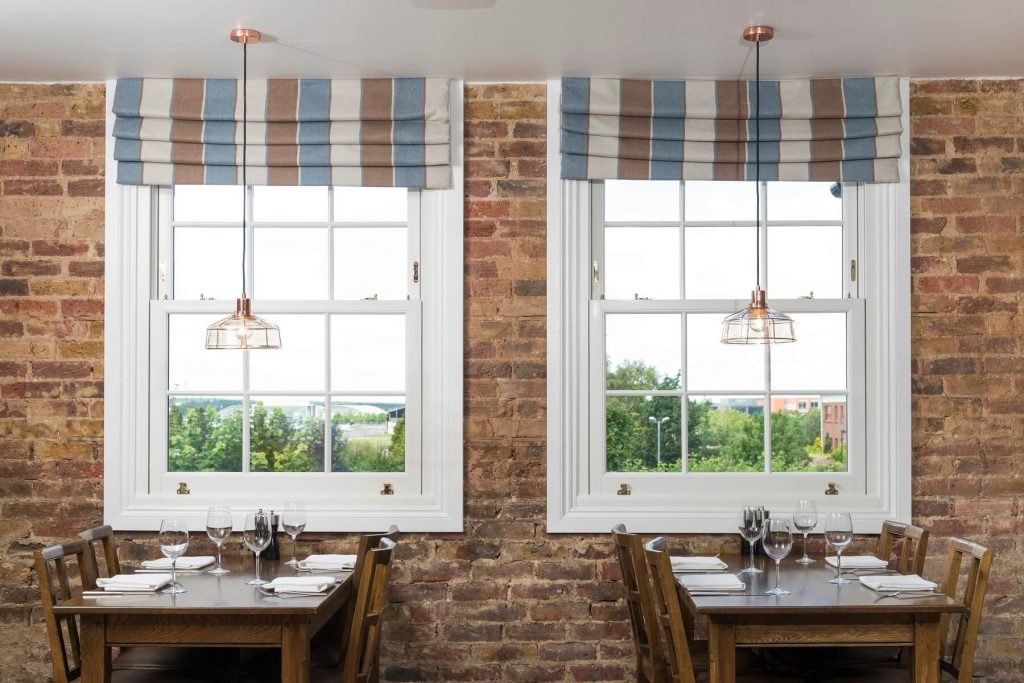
(840, 129)
(379, 132)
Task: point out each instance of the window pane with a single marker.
(641, 200)
(805, 260)
(643, 433)
(641, 261)
(377, 204)
(190, 365)
(714, 366)
(720, 201)
(207, 263)
(725, 434)
(368, 353)
(289, 204)
(804, 202)
(368, 434)
(299, 364)
(290, 263)
(208, 203)
(721, 263)
(370, 261)
(204, 434)
(809, 433)
(642, 351)
(817, 361)
(286, 434)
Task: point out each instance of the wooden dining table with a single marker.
(816, 614)
(215, 611)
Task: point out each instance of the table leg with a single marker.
(95, 653)
(925, 660)
(722, 651)
(295, 653)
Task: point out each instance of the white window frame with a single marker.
(882, 491)
(434, 502)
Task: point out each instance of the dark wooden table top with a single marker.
(218, 595)
(810, 591)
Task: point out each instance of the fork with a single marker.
(283, 594)
(906, 595)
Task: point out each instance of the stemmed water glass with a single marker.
(751, 524)
(804, 520)
(777, 542)
(218, 527)
(839, 535)
(256, 535)
(293, 519)
(173, 538)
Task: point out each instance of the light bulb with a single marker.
(242, 332)
(758, 325)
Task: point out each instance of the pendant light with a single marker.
(758, 324)
(243, 330)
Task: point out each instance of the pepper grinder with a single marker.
(273, 551)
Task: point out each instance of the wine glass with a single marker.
(777, 542)
(751, 524)
(218, 528)
(256, 535)
(804, 520)
(173, 538)
(293, 519)
(839, 535)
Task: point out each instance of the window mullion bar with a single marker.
(762, 237)
(246, 414)
(684, 404)
(328, 397)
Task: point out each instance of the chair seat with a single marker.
(187, 659)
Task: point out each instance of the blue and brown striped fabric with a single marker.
(378, 132)
(841, 129)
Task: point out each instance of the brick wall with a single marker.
(51, 342)
(505, 601)
(967, 156)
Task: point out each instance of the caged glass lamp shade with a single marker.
(758, 324)
(243, 330)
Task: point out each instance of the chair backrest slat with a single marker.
(961, 658)
(910, 543)
(104, 535)
(669, 612)
(361, 663)
(55, 587)
(640, 604)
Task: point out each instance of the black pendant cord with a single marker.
(757, 150)
(245, 147)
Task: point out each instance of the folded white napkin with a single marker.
(858, 562)
(898, 582)
(335, 563)
(134, 583)
(186, 563)
(712, 582)
(697, 564)
(301, 584)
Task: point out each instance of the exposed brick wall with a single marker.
(506, 601)
(967, 186)
(51, 342)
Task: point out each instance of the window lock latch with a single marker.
(183, 489)
(624, 490)
(370, 298)
(415, 271)
(831, 490)
(387, 490)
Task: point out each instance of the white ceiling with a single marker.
(507, 40)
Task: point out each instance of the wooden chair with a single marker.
(328, 646)
(55, 586)
(651, 666)
(671, 628)
(956, 657)
(100, 541)
(910, 544)
(362, 664)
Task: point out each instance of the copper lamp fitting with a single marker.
(758, 34)
(245, 36)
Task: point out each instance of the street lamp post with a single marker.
(657, 423)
